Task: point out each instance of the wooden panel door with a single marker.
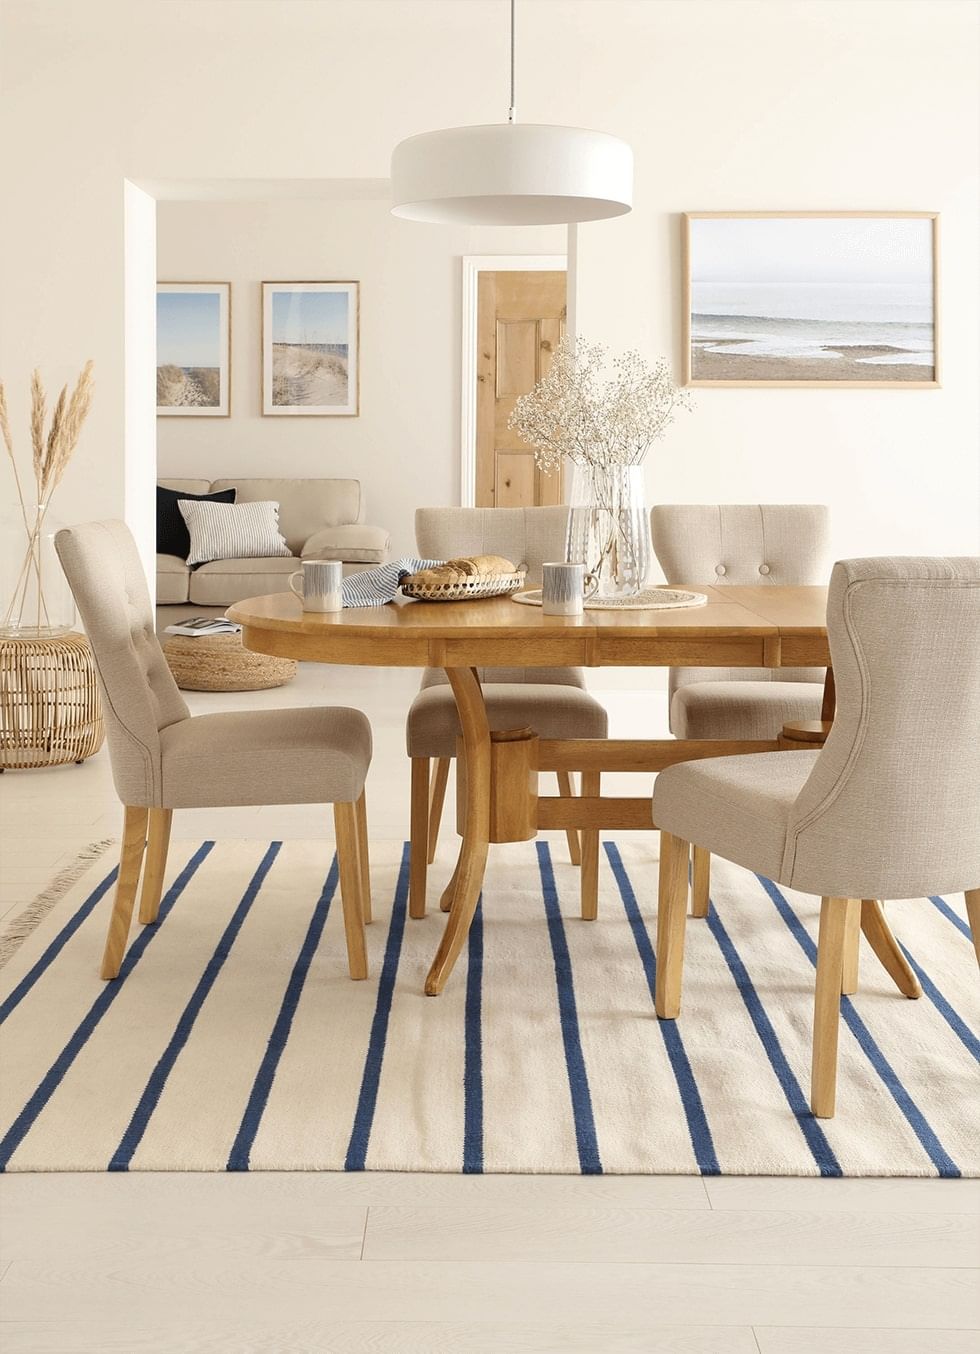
(520, 320)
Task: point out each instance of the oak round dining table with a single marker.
(767, 626)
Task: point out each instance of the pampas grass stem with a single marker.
(51, 452)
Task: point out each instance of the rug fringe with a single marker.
(25, 922)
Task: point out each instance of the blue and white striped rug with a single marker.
(235, 1041)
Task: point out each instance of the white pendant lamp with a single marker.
(511, 174)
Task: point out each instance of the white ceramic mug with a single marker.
(320, 584)
(564, 588)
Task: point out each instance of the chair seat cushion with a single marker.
(741, 709)
(299, 756)
(552, 701)
(737, 807)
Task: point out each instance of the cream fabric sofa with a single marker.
(319, 519)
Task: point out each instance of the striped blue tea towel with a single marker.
(375, 587)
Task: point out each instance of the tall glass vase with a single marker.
(35, 599)
(609, 529)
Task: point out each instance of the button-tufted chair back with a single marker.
(103, 566)
(748, 544)
(531, 536)
(891, 808)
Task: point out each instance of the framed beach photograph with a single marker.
(811, 298)
(194, 349)
(310, 339)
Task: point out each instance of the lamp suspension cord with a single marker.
(512, 112)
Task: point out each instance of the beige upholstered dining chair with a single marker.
(888, 808)
(753, 544)
(162, 759)
(552, 701)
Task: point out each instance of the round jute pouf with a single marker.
(50, 712)
(220, 663)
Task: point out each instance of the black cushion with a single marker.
(172, 535)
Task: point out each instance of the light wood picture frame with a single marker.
(311, 349)
(811, 299)
(193, 349)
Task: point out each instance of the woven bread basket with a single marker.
(479, 585)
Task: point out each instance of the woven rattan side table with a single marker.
(50, 712)
(219, 663)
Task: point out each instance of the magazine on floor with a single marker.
(203, 625)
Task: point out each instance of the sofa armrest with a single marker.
(354, 544)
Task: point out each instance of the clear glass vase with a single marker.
(609, 529)
(35, 599)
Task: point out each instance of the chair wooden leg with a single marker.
(436, 801)
(418, 837)
(449, 892)
(566, 790)
(671, 921)
(826, 1011)
(364, 858)
(973, 913)
(348, 860)
(130, 863)
(589, 880)
(700, 881)
(157, 845)
(878, 934)
(852, 948)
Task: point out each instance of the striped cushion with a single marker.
(232, 531)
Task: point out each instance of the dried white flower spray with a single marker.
(595, 413)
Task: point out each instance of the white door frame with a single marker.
(473, 265)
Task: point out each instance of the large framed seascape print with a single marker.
(194, 349)
(811, 299)
(310, 340)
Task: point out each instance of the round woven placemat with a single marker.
(650, 599)
(219, 663)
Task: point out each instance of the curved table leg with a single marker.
(463, 892)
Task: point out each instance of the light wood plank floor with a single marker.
(415, 1264)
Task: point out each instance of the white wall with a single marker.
(796, 106)
(729, 103)
(404, 446)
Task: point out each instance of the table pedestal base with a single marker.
(497, 801)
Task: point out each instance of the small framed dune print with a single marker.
(194, 349)
(811, 299)
(310, 341)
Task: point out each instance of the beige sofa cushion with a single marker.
(173, 578)
(225, 581)
(357, 543)
(305, 506)
(188, 486)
